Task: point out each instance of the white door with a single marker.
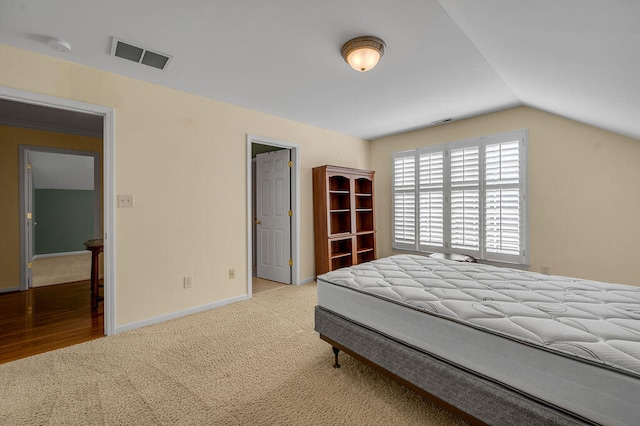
(273, 223)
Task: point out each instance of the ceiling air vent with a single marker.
(444, 120)
(140, 55)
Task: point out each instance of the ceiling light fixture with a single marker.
(363, 53)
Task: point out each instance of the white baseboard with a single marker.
(308, 280)
(6, 290)
(178, 314)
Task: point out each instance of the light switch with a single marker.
(125, 200)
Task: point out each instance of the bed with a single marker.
(495, 345)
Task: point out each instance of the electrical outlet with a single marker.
(188, 282)
(232, 274)
(545, 269)
(125, 200)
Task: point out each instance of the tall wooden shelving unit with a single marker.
(343, 207)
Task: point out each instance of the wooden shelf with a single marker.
(344, 220)
(365, 257)
(334, 256)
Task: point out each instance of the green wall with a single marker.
(64, 220)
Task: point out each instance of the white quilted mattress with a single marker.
(571, 342)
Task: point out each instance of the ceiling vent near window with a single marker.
(140, 55)
(445, 120)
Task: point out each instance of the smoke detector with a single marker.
(58, 44)
(143, 56)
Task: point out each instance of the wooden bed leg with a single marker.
(335, 352)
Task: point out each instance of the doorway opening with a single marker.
(61, 200)
(273, 225)
(54, 115)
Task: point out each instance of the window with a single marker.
(465, 197)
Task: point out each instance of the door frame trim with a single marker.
(295, 202)
(108, 170)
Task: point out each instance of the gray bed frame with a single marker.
(477, 399)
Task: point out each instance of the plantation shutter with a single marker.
(504, 199)
(404, 200)
(465, 198)
(431, 201)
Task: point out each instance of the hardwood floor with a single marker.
(46, 318)
(42, 319)
(260, 284)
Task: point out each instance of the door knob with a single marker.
(258, 222)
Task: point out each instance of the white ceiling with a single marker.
(61, 171)
(446, 58)
(39, 117)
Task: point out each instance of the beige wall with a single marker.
(10, 140)
(584, 196)
(184, 159)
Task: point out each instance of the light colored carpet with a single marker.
(256, 362)
(67, 268)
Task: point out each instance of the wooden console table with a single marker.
(96, 247)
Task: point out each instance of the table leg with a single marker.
(95, 291)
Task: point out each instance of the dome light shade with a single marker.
(363, 53)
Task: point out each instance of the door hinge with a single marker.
(29, 265)
(29, 166)
(290, 262)
(29, 215)
(290, 164)
(290, 213)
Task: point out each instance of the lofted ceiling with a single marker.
(444, 59)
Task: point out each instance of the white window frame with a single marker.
(482, 253)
